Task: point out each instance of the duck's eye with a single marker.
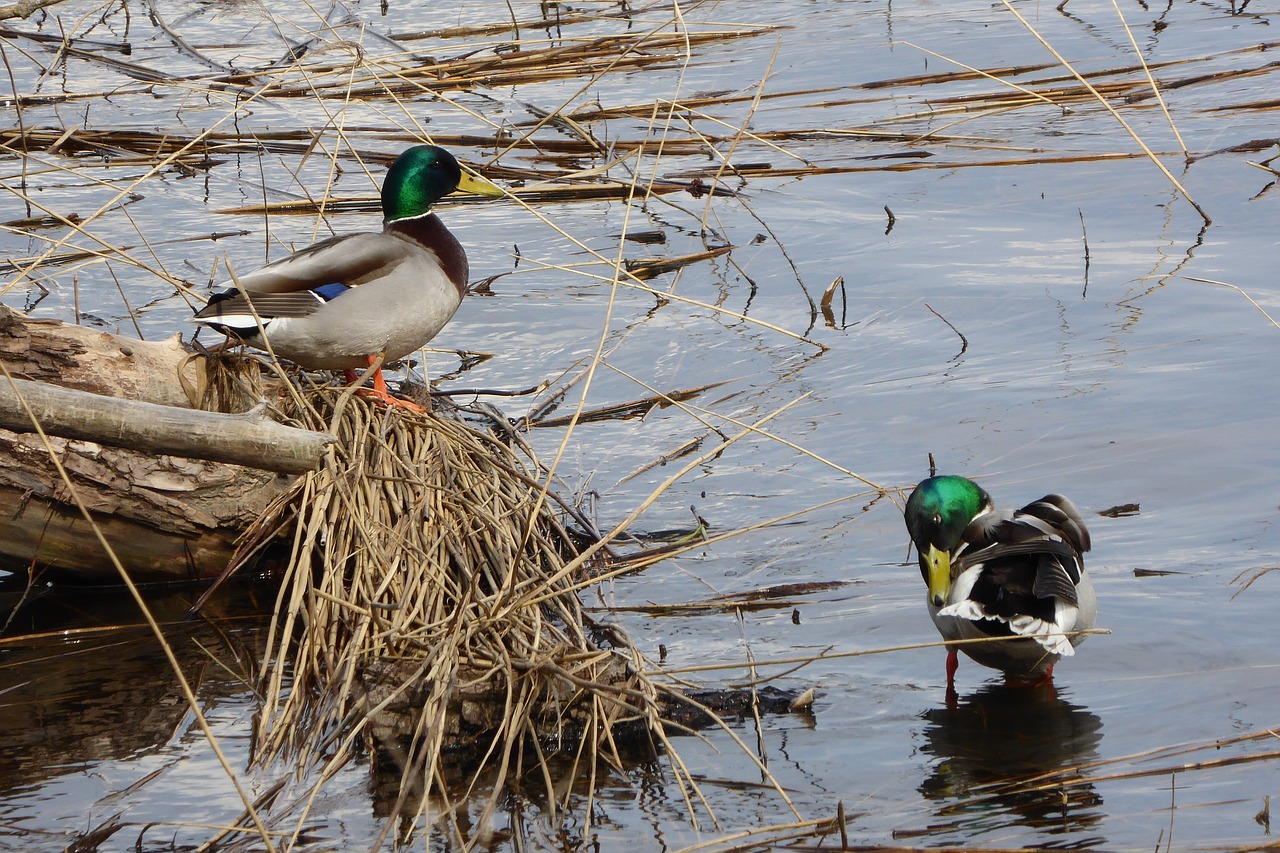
(937, 518)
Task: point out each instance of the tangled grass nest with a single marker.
(429, 611)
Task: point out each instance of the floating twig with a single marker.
(964, 342)
(1084, 238)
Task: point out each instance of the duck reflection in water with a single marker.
(993, 748)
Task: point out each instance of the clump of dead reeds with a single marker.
(429, 610)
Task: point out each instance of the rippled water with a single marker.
(1134, 380)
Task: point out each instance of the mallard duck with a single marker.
(341, 303)
(1010, 573)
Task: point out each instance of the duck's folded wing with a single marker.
(1060, 515)
(1051, 525)
(1057, 578)
(233, 310)
(351, 259)
(1031, 544)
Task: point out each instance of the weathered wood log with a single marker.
(244, 439)
(166, 517)
(98, 362)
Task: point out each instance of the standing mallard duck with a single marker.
(341, 303)
(1009, 573)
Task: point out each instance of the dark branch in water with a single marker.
(964, 342)
(1084, 237)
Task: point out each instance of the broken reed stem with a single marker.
(964, 342)
(1238, 290)
(765, 837)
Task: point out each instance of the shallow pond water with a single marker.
(975, 328)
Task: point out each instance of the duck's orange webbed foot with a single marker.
(379, 390)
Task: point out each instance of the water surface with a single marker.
(1132, 380)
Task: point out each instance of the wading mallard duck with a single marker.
(1010, 573)
(341, 303)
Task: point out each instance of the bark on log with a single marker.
(166, 517)
(245, 439)
(95, 361)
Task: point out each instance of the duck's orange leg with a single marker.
(379, 390)
(1047, 678)
(953, 663)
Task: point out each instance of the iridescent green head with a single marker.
(937, 514)
(420, 177)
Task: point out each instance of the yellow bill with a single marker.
(478, 186)
(939, 571)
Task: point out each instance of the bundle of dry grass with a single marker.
(430, 610)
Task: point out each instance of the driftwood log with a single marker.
(248, 438)
(152, 471)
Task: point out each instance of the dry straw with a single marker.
(430, 611)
